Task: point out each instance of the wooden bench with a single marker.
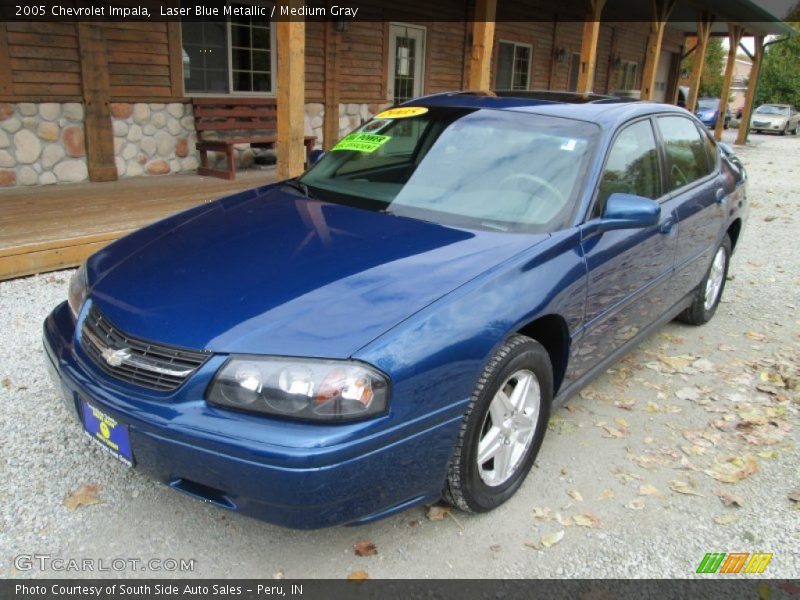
(221, 123)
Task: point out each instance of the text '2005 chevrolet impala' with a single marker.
(395, 325)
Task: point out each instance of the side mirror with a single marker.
(315, 157)
(628, 211)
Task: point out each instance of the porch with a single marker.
(45, 228)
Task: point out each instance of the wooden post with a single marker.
(291, 97)
(752, 84)
(704, 21)
(175, 58)
(480, 59)
(97, 122)
(330, 125)
(591, 33)
(661, 12)
(734, 37)
(6, 87)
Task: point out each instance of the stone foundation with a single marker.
(42, 143)
(153, 138)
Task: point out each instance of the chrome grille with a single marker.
(134, 360)
(761, 123)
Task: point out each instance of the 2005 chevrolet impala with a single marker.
(396, 324)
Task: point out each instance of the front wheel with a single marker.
(709, 292)
(503, 427)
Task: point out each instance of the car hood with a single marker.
(270, 272)
(769, 118)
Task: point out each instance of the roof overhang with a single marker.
(754, 19)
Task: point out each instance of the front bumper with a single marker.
(292, 474)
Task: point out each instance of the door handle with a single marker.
(667, 226)
(720, 195)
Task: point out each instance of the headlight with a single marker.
(320, 390)
(78, 289)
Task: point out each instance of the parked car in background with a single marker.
(708, 112)
(780, 118)
(396, 324)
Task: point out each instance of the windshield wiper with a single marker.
(298, 185)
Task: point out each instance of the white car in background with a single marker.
(780, 118)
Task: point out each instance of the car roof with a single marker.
(601, 109)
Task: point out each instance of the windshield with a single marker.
(708, 103)
(486, 169)
(772, 109)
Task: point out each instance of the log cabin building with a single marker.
(105, 100)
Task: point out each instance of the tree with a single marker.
(780, 71)
(711, 79)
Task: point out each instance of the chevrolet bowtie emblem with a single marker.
(115, 358)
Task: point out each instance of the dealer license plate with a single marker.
(105, 431)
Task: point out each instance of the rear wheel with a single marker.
(709, 292)
(503, 427)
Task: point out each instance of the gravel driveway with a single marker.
(640, 476)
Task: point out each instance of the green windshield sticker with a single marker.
(362, 142)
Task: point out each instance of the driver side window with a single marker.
(632, 166)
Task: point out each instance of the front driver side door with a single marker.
(628, 269)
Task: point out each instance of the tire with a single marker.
(701, 311)
(785, 129)
(480, 488)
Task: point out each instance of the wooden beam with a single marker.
(6, 87)
(330, 125)
(97, 121)
(734, 37)
(752, 84)
(704, 21)
(175, 58)
(591, 34)
(661, 12)
(291, 97)
(551, 73)
(480, 59)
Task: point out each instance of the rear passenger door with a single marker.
(698, 192)
(628, 269)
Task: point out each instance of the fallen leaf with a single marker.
(725, 519)
(730, 499)
(625, 404)
(683, 487)
(575, 495)
(438, 512)
(755, 335)
(533, 545)
(495, 547)
(606, 494)
(564, 471)
(648, 490)
(6, 382)
(768, 454)
(613, 432)
(732, 469)
(358, 576)
(551, 539)
(365, 548)
(794, 496)
(586, 520)
(544, 514)
(635, 504)
(83, 496)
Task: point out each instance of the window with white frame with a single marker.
(513, 66)
(627, 75)
(228, 57)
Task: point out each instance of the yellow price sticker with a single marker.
(402, 112)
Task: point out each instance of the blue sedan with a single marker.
(397, 324)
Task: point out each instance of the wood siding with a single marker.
(45, 61)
